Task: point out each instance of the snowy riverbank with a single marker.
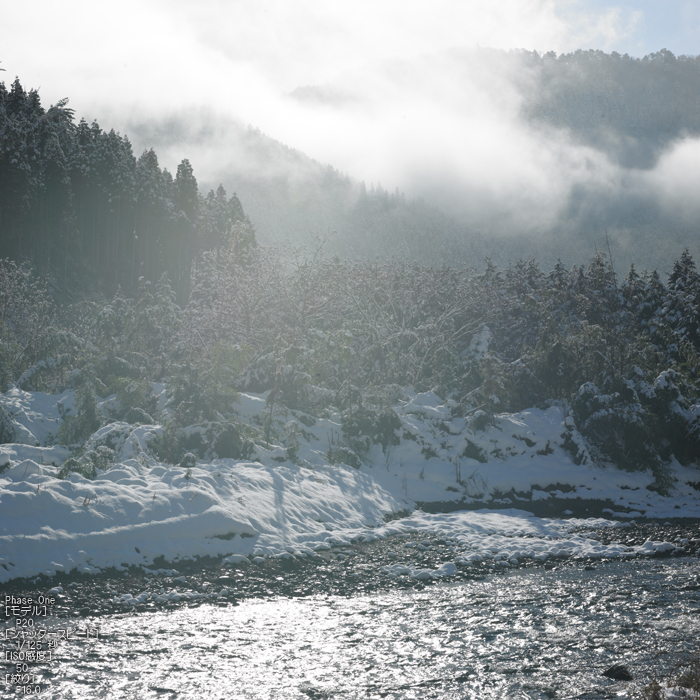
(139, 509)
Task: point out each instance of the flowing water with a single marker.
(530, 633)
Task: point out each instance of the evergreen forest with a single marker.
(84, 211)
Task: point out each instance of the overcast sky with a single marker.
(236, 55)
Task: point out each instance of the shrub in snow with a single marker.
(473, 451)
(480, 420)
(188, 461)
(574, 443)
(475, 485)
(617, 424)
(167, 446)
(188, 396)
(494, 392)
(364, 426)
(112, 436)
(47, 374)
(283, 374)
(72, 464)
(679, 417)
(102, 457)
(99, 459)
(76, 429)
(137, 416)
(158, 317)
(28, 331)
(227, 442)
(136, 399)
(109, 371)
(206, 440)
(205, 389)
(7, 430)
(339, 454)
(291, 440)
(626, 427)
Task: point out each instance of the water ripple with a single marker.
(522, 634)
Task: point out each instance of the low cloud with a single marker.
(373, 88)
(675, 181)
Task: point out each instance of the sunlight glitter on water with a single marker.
(527, 634)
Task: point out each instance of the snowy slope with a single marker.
(139, 509)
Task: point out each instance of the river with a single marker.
(527, 633)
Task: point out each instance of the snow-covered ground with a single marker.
(140, 509)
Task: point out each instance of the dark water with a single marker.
(531, 633)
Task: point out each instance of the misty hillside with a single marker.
(583, 144)
(289, 196)
(632, 108)
(617, 131)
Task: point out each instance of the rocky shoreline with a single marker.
(551, 507)
(362, 567)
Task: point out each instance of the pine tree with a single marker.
(183, 237)
(682, 309)
(150, 215)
